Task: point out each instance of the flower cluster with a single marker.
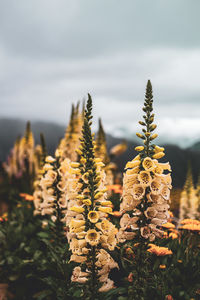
(50, 199)
(90, 233)
(189, 198)
(71, 140)
(190, 224)
(146, 185)
(23, 157)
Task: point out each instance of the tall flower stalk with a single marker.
(23, 162)
(146, 186)
(90, 233)
(71, 140)
(189, 198)
(50, 197)
(102, 153)
(146, 194)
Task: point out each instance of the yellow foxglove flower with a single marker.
(87, 202)
(77, 229)
(76, 223)
(82, 160)
(138, 191)
(77, 209)
(148, 164)
(158, 149)
(105, 203)
(41, 172)
(58, 153)
(75, 171)
(158, 155)
(98, 195)
(46, 167)
(165, 192)
(132, 164)
(156, 186)
(80, 197)
(75, 164)
(92, 237)
(147, 133)
(78, 258)
(154, 136)
(81, 235)
(165, 166)
(139, 135)
(93, 216)
(105, 209)
(137, 157)
(133, 171)
(50, 159)
(78, 151)
(144, 178)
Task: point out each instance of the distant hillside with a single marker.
(10, 129)
(178, 158)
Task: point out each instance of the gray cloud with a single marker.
(53, 53)
(91, 27)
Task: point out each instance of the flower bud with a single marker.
(154, 136)
(139, 135)
(139, 148)
(158, 155)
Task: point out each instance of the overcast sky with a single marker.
(53, 52)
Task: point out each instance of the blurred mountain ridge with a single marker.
(178, 157)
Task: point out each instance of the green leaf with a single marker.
(43, 235)
(42, 295)
(13, 277)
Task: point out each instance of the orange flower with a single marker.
(23, 195)
(159, 251)
(4, 217)
(190, 221)
(173, 235)
(130, 277)
(27, 197)
(165, 235)
(168, 225)
(192, 227)
(117, 214)
(116, 188)
(162, 267)
(129, 251)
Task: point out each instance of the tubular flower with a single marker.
(146, 185)
(144, 178)
(92, 237)
(93, 216)
(90, 234)
(148, 164)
